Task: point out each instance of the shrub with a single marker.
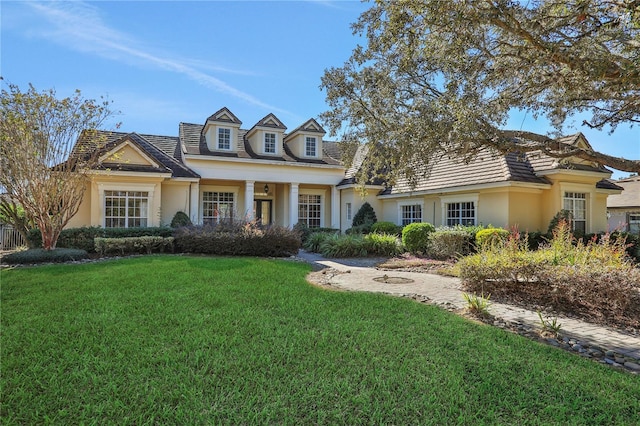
(315, 240)
(180, 219)
(594, 278)
(239, 239)
(382, 245)
(82, 238)
(129, 245)
(344, 246)
(44, 256)
(448, 243)
(386, 228)
(365, 215)
(415, 236)
(365, 228)
(490, 237)
(562, 215)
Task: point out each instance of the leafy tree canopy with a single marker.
(37, 134)
(442, 76)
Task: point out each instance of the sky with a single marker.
(166, 62)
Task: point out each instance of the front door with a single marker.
(262, 210)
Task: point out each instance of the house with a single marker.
(220, 169)
(623, 209)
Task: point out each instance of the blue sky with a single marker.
(165, 62)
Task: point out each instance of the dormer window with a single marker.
(311, 147)
(269, 143)
(224, 138)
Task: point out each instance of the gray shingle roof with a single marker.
(163, 149)
(630, 196)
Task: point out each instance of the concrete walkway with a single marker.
(447, 291)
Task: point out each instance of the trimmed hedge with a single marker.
(128, 245)
(365, 215)
(490, 237)
(415, 237)
(238, 240)
(44, 256)
(82, 238)
(180, 219)
(386, 228)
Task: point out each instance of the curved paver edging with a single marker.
(601, 344)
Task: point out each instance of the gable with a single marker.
(223, 115)
(128, 153)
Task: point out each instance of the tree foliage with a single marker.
(442, 77)
(37, 134)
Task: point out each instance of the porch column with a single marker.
(293, 204)
(248, 199)
(335, 207)
(194, 203)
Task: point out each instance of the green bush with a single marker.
(315, 240)
(365, 228)
(415, 237)
(344, 246)
(490, 236)
(364, 215)
(450, 243)
(238, 239)
(386, 228)
(129, 245)
(596, 277)
(180, 219)
(561, 216)
(382, 244)
(82, 238)
(44, 256)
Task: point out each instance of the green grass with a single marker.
(195, 340)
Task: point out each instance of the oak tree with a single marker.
(441, 77)
(37, 134)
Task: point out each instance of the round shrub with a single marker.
(490, 237)
(386, 228)
(44, 256)
(415, 236)
(180, 219)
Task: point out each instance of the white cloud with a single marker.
(79, 26)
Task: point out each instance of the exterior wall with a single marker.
(493, 209)
(175, 198)
(129, 155)
(618, 217)
(526, 211)
(83, 217)
(297, 144)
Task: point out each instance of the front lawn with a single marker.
(198, 340)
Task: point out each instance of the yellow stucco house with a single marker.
(219, 170)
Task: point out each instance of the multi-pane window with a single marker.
(311, 147)
(126, 209)
(463, 213)
(224, 139)
(634, 223)
(348, 211)
(411, 213)
(310, 209)
(576, 203)
(217, 206)
(270, 143)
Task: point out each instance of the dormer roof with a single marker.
(309, 126)
(223, 115)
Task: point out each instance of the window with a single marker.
(310, 210)
(126, 209)
(224, 139)
(310, 149)
(576, 203)
(217, 206)
(410, 213)
(463, 213)
(270, 143)
(348, 210)
(634, 223)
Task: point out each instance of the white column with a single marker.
(293, 204)
(194, 203)
(248, 199)
(335, 208)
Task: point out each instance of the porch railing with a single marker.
(10, 238)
